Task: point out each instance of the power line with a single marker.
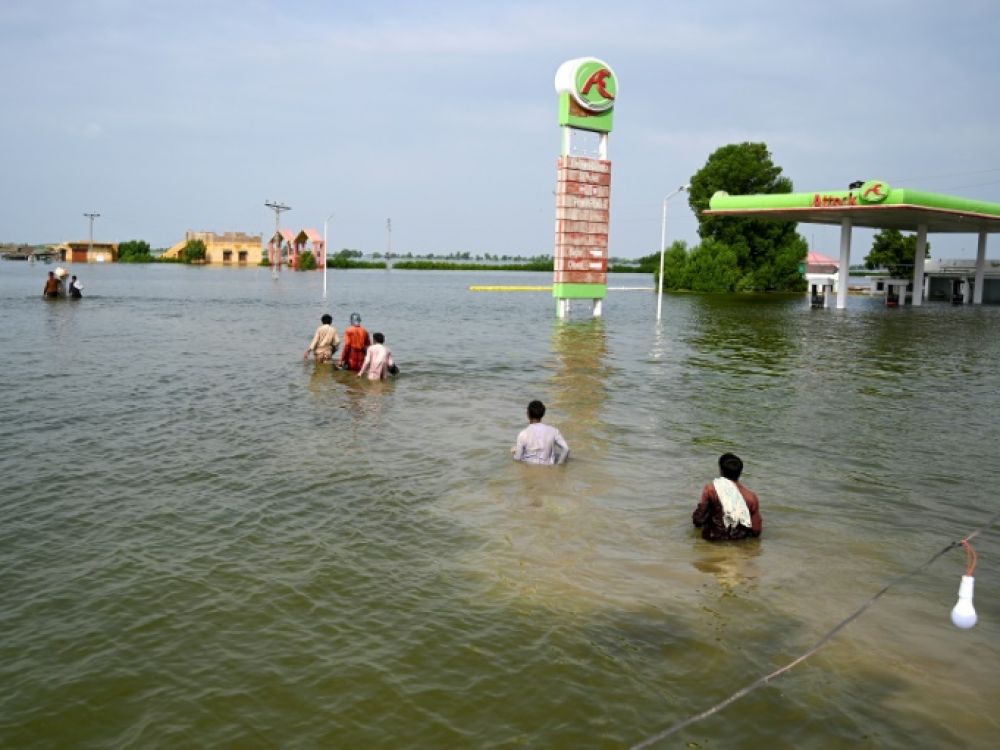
(649, 741)
(949, 174)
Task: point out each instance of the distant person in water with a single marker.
(75, 288)
(51, 289)
(378, 360)
(356, 343)
(324, 342)
(538, 443)
(727, 509)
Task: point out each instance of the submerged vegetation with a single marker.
(736, 254)
(135, 251)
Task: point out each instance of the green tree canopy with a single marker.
(739, 254)
(134, 251)
(895, 252)
(307, 262)
(193, 252)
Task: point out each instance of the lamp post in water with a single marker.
(663, 248)
(325, 252)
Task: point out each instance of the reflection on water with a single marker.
(732, 565)
(207, 543)
(745, 338)
(579, 381)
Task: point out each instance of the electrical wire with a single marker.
(760, 682)
(970, 557)
(948, 174)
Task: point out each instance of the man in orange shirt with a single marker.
(51, 289)
(356, 343)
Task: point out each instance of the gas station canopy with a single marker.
(873, 205)
(876, 205)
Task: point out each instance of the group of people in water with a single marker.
(359, 354)
(728, 510)
(55, 288)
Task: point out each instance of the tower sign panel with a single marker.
(588, 89)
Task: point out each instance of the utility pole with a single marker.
(277, 208)
(388, 249)
(90, 248)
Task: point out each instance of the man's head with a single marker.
(52, 274)
(730, 466)
(536, 410)
(378, 338)
(355, 319)
(326, 320)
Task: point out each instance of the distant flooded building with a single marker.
(820, 272)
(287, 247)
(226, 249)
(954, 280)
(87, 252)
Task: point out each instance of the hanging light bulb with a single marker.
(964, 614)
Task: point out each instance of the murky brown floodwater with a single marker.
(206, 543)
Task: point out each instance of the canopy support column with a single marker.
(918, 265)
(977, 290)
(845, 262)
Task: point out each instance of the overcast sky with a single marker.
(169, 116)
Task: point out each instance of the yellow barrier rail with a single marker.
(482, 288)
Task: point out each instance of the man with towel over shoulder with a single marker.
(728, 510)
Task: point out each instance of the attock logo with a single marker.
(590, 82)
(874, 191)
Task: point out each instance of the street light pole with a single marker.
(325, 251)
(663, 248)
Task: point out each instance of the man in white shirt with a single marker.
(378, 359)
(537, 443)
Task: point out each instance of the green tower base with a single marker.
(579, 291)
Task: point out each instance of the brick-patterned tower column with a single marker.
(583, 188)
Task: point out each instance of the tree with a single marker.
(895, 252)
(766, 253)
(134, 251)
(193, 252)
(649, 263)
(676, 274)
(307, 262)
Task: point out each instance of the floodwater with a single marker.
(206, 542)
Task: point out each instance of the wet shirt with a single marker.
(708, 516)
(325, 340)
(537, 442)
(356, 342)
(378, 359)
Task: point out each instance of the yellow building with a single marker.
(226, 249)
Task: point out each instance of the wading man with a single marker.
(537, 443)
(727, 509)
